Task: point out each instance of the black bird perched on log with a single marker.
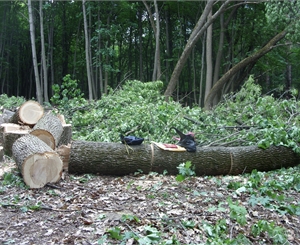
(186, 140)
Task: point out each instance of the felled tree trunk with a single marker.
(48, 129)
(37, 162)
(9, 132)
(108, 158)
(28, 113)
(119, 159)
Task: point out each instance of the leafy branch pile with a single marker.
(244, 118)
(136, 108)
(10, 103)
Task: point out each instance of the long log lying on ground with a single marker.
(37, 162)
(28, 113)
(118, 159)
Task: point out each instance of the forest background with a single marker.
(201, 50)
(87, 57)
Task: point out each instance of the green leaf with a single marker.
(180, 178)
(115, 233)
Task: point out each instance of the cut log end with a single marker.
(40, 169)
(30, 112)
(45, 136)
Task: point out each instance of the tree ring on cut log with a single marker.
(30, 112)
(41, 169)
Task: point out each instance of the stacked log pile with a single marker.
(32, 138)
(41, 145)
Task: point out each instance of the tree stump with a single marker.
(37, 162)
(119, 159)
(9, 134)
(29, 113)
(48, 129)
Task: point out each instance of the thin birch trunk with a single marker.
(209, 65)
(87, 45)
(44, 61)
(34, 57)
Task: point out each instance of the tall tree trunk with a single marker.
(140, 26)
(202, 72)
(197, 32)
(3, 33)
(64, 41)
(223, 27)
(100, 56)
(220, 51)
(34, 57)
(75, 49)
(157, 46)
(107, 56)
(194, 75)
(44, 61)
(94, 95)
(87, 48)
(241, 65)
(50, 42)
(209, 63)
(288, 73)
(156, 30)
(168, 43)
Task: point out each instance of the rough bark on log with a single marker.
(37, 162)
(28, 113)
(48, 129)
(66, 135)
(108, 158)
(9, 134)
(116, 159)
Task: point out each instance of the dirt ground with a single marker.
(82, 209)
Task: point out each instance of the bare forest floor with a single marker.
(91, 209)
